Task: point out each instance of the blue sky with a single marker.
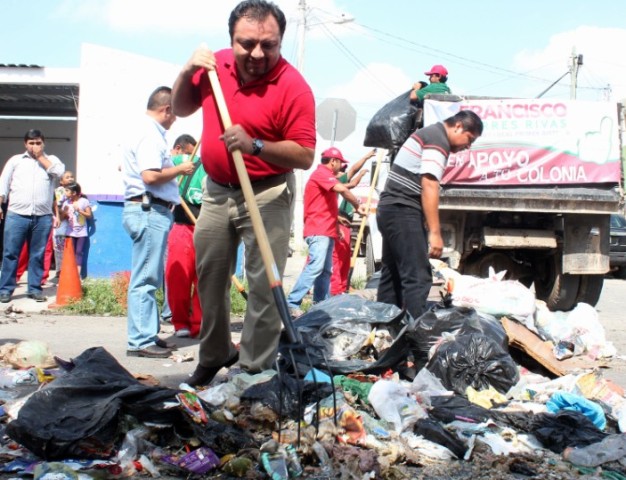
(490, 47)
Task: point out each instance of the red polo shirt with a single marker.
(280, 106)
(320, 203)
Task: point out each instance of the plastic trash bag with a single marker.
(80, 414)
(431, 326)
(392, 124)
(565, 429)
(27, 354)
(332, 330)
(570, 401)
(394, 403)
(475, 360)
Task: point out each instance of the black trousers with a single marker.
(406, 275)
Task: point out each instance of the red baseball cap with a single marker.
(333, 152)
(439, 69)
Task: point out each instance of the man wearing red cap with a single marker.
(320, 228)
(438, 76)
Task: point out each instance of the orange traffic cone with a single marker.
(69, 288)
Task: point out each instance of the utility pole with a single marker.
(298, 211)
(577, 61)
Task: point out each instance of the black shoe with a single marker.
(153, 351)
(159, 342)
(38, 297)
(5, 297)
(203, 375)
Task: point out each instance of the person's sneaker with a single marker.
(152, 351)
(5, 297)
(38, 297)
(183, 333)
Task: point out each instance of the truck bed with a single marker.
(596, 199)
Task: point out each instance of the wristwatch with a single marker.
(257, 146)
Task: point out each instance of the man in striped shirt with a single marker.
(28, 180)
(408, 210)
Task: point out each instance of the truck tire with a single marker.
(590, 289)
(559, 290)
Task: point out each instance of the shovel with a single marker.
(359, 237)
(257, 222)
(293, 338)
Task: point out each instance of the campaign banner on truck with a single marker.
(535, 142)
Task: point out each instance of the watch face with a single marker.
(257, 145)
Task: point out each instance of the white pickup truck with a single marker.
(533, 196)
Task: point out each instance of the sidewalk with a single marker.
(22, 303)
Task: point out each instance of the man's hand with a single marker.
(202, 57)
(186, 168)
(362, 210)
(435, 245)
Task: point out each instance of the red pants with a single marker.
(22, 262)
(341, 262)
(181, 279)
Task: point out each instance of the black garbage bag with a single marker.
(448, 408)
(79, 414)
(334, 331)
(566, 428)
(428, 329)
(433, 431)
(473, 359)
(392, 124)
(287, 388)
(223, 438)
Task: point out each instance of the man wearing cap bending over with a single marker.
(321, 228)
(438, 76)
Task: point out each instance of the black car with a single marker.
(617, 248)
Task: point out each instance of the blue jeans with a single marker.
(18, 229)
(148, 232)
(316, 272)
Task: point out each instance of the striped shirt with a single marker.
(28, 185)
(426, 151)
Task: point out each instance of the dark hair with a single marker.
(184, 140)
(256, 10)
(162, 96)
(325, 160)
(443, 78)
(75, 188)
(32, 134)
(470, 121)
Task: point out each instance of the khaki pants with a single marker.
(224, 220)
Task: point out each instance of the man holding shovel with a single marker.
(273, 113)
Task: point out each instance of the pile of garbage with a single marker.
(369, 393)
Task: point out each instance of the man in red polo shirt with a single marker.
(320, 228)
(273, 114)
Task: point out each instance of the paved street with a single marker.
(68, 336)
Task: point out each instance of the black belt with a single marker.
(153, 200)
(236, 186)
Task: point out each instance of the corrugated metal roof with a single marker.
(20, 65)
(19, 99)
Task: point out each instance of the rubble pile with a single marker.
(369, 393)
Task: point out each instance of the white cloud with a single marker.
(600, 62)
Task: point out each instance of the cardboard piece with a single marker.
(532, 345)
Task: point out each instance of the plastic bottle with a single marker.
(326, 467)
(610, 449)
(294, 467)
